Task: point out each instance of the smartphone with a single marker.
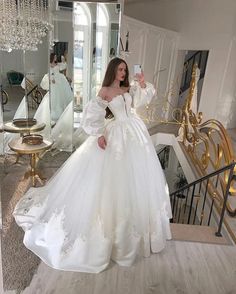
(137, 69)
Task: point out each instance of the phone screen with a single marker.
(137, 69)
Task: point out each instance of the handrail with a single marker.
(181, 202)
(34, 88)
(161, 150)
(204, 178)
(162, 155)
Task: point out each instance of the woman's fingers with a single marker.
(102, 142)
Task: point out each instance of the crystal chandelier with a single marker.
(23, 24)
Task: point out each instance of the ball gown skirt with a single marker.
(101, 205)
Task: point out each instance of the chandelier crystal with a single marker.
(23, 24)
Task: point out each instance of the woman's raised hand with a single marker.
(140, 79)
(102, 143)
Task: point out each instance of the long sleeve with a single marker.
(141, 96)
(93, 121)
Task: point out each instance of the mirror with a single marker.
(85, 38)
(83, 52)
(12, 74)
(14, 104)
(36, 66)
(96, 39)
(60, 79)
(96, 35)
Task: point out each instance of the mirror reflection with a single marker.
(53, 84)
(12, 75)
(96, 36)
(60, 80)
(14, 105)
(96, 30)
(60, 90)
(36, 65)
(50, 85)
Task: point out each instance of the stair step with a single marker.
(195, 233)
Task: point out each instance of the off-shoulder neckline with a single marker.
(108, 102)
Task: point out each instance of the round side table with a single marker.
(33, 150)
(11, 128)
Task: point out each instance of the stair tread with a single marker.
(195, 233)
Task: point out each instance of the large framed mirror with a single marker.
(85, 38)
(52, 85)
(96, 41)
(64, 73)
(96, 36)
(14, 104)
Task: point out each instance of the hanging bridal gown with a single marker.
(101, 205)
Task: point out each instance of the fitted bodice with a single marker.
(120, 106)
(93, 121)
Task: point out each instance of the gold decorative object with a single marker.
(209, 147)
(32, 139)
(161, 110)
(24, 122)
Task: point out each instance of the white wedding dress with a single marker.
(60, 91)
(101, 205)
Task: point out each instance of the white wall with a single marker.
(152, 47)
(226, 104)
(199, 17)
(156, 50)
(203, 25)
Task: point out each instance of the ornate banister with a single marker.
(209, 147)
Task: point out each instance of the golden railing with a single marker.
(209, 147)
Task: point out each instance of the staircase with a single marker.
(198, 209)
(193, 204)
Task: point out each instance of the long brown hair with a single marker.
(52, 55)
(110, 76)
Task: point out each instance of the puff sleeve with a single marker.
(141, 96)
(93, 120)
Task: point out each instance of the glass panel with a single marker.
(36, 67)
(96, 30)
(12, 75)
(84, 52)
(102, 41)
(60, 80)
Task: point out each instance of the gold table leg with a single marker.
(33, 166)
(33, 172)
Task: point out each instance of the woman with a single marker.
(109, 201)
(63, 63)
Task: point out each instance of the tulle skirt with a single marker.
(101, 205)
